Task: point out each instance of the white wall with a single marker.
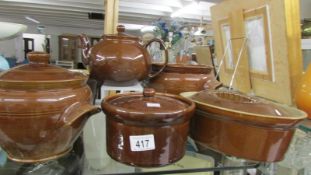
(305, 6)
(15, 47)
(39, 40)
(7, 48)
(55, 31)
(12, 48)
(54, 48)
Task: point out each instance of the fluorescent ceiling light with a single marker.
(137, 27)
(146, 29)
(186, 9)
(11, 30)
(132, 26)
(31, 19)
(194, 8)
(173, 3)
(200, 32)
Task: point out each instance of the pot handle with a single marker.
(79, 112)
(86, 46)
(162, 45)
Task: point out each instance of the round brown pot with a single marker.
(43, 109)
(178, 78)
(148, 129)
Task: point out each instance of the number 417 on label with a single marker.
(142, 142)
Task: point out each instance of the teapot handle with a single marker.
(86, 46)
(162, 45)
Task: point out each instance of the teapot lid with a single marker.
(148, 106)
(40, 76)
(121, 34)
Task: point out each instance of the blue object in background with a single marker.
(11, 61)
(3, 157)
(4, 64)
(25, 61)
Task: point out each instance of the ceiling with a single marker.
(74, 13)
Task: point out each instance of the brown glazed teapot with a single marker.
(119, 57)
(43, 109)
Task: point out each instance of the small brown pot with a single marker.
(43, 109)
(38, 57)
(148, 129)
(243, 126)
(178, 78)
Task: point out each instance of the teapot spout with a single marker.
(79, 113)
(86, 48)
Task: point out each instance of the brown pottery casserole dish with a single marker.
(243, 126)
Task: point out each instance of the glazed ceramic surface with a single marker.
(38, 57)
(42, 111)
(119, 57)
(148, 129)
(243, 126)
(177, 78)
(303, 93)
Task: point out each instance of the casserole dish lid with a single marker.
(184, 68)
(148, 106)
(40, 76)
(242, 104)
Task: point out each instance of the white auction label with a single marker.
(142, 142)
(154, 105)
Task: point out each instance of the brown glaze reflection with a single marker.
(38, 57)
(119, 57)
(42, 111)
(170, 143)
(177, 78)
(243, 126)
(131, 115)
(240, 139)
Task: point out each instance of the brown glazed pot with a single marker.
(243, 126)
(38, 57)
(178, 78)
(163, 116)
(43, 109)
(119, 57)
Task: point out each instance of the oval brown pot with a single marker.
(243, 126)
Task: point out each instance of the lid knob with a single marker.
(120, 28)
(38, 57)
(149, 92)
